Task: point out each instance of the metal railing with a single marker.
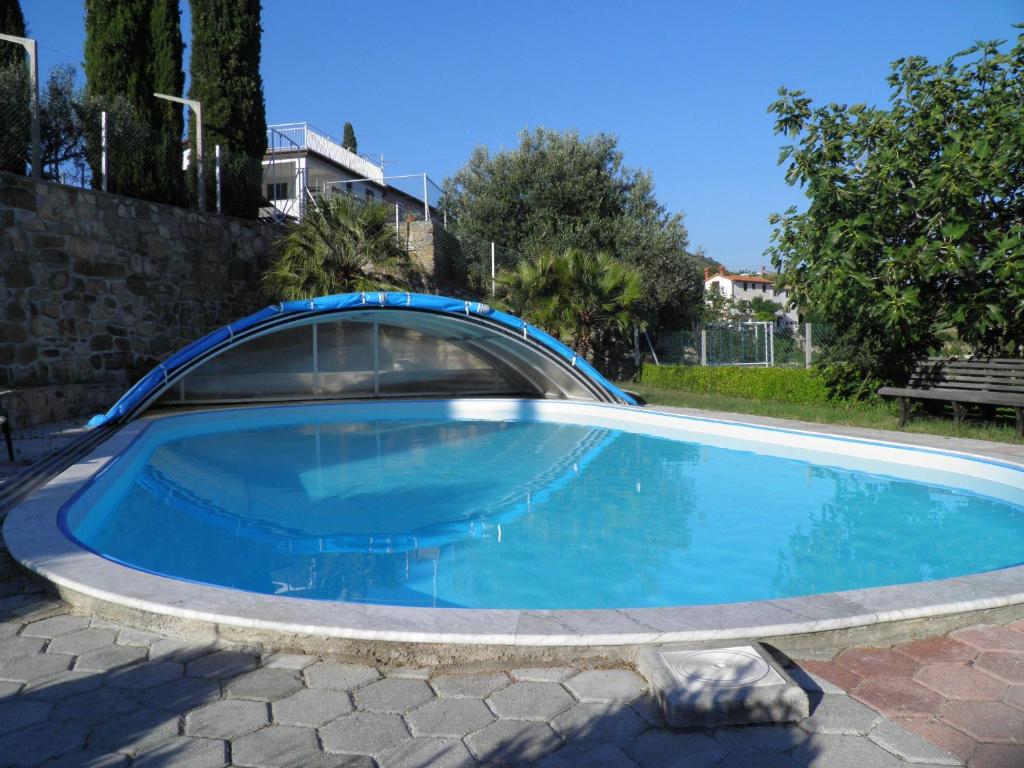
(303, 136)
(751, 344)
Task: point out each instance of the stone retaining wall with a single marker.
(96, 288)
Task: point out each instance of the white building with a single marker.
(745, 287)
(302, 161)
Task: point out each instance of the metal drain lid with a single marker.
(721, 686)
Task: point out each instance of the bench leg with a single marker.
(7, 438)
(958, 413)
(1020, 421)
(904, 411)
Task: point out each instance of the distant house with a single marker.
(302, 161)
(745, 287)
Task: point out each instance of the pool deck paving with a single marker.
(76, 690)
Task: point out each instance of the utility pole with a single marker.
(197, 108)
(33, 71)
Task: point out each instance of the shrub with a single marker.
(787, 385)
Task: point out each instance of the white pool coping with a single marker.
(33, 537)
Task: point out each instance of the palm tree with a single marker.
(582, 298)
(341, 245)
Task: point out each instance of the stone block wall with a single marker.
(96, 288)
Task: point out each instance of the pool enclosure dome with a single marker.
(368, 345)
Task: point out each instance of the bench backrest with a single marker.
(985, 374)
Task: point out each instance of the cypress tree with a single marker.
(225, 68)
(348, 139)
(167, 50)
(15, 118)
(12, 22)
(132, 49)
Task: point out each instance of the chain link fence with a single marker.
(764, 344)
(103, 143)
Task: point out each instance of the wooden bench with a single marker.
(996, 381)
(5, 423)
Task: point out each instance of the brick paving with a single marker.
(963, 691)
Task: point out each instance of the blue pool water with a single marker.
(522, 514)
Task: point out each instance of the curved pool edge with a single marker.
(91, 582)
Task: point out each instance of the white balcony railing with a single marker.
(305, 136)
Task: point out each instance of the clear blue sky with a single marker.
(684, 85)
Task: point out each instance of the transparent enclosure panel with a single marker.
(279, 364)
(345, 358)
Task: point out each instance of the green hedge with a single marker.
(787, 385)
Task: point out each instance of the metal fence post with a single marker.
(807, 346)
(31, 47)
(771, 343)
(493, 285)
(216, 170)
(398, 221)
(103, 148)
(426, 200)
(703, 346)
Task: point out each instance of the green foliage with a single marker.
(348, 139)
(12, 22)
(341, 245)
(225, 69)
(133, 48)
(915, 221)
(787, 385)
(585, 299)
(559, 190)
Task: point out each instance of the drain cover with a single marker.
(718, 686)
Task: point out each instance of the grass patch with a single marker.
(870, 415)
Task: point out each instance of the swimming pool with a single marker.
(514, 504)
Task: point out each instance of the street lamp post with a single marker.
(33, 69)
(197, 108)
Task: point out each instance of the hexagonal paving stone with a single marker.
(606, 685)
(221, 664)
(132, 636)
(227, 719)
(453, 718)
(135, 733)
(14, 647)
(958, 681)
(760, 739)
(907, 745)
(35, 745)
(55, 626)
(175, 649)
(62, 686)
(97, 706)
(840, 677)
(311, 707)
(876, 662)
(589, 755)
(599, 721)
(543, 674)
(844, 750)
(998, 756)
(144, 675)
(338, 677)
(110, 657)
(264, 685)
(279, 746)
(16, 714)
(281, 660)
(436, 753)
(82, 641)
(1008, 667)
(991, 637)
(937, 649)
(1014, 696)
(183, 694)
(839, 714)
(364, 733)
(469, 686)
(897, 695)
(941, 734)
(656, 749)
(25, 669)
(530, 701)
(985, 720)
(87, 758)
(185, 752)
(393, 694)
(513, 741)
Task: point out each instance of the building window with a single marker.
(277, 191)
(369, 194)
(763, 288)
(348, 187)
